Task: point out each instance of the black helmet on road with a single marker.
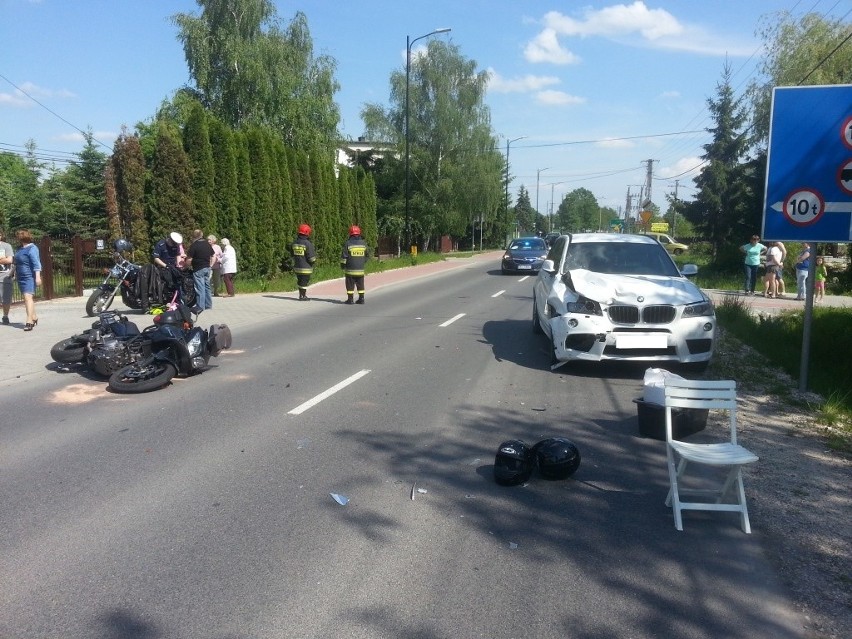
(558, 458)
(513, 463)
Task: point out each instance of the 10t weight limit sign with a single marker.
(804, 207)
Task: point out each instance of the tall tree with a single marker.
(251, 70)
(225, 189)
(578, 211)
(449, 126)
(127, 173)
(524, 213)
(170, 205)
(809, 50)
(196, 143)
(720, 203)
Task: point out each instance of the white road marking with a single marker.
(451, 320)
(301, 408)
(499, 293)
(525, 277)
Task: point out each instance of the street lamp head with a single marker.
(442, 30)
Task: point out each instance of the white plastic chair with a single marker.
(705, 394)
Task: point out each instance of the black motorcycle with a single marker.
(120, 278)
(112, 343)
(178, 347)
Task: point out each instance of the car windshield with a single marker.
(626, 258)
(527, 245)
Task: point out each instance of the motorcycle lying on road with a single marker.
(120, 278)
(112, 343)
(178, 347)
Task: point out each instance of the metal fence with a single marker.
(70, 265)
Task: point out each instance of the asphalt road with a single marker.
(205, 509)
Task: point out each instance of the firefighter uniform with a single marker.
(352, 261)
(304, 255)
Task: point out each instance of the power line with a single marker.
(54, 113)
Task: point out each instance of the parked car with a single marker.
(610, 296)
(524, 255)
(670, 244)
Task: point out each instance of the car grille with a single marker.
(657, 314)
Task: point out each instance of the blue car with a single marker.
(524, 255)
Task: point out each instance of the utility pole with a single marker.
(674, 209)
(649, 176)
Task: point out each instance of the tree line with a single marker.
(247, 150)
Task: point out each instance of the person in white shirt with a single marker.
(229, 265)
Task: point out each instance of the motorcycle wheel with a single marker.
(141, 377)
(69, 351)
(130, 301)
(98, 302)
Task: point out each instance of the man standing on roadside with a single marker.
(304, 255)
(352, 261)
(7, 274)
(201, 254)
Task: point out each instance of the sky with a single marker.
(584, 93)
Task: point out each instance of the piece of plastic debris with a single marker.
(340, 499)
(422, 491)
(512, 545)
(412, 490)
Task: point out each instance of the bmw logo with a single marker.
(640, 299)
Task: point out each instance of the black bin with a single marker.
(685, 421)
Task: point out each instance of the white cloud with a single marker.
(558, 98)
(545, 47)
(670, 95)
(22, 97)
(617, 20)
(76, 136)
(685, 168)
(499, 84)
(631, 24)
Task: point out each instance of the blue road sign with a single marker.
(808, 193)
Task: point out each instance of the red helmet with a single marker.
(354, 230)
(304, 229)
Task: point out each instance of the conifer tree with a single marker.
(196, 143)
(225, 190)
(244, 237)
(170, 205)
(264, 215)
(127, 166)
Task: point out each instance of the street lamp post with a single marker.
(509, 142)
(408, 43)
(537, 180)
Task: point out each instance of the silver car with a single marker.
(608, 296)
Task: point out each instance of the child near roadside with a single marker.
(820, 275)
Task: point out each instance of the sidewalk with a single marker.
(27, 354)
(774, 306)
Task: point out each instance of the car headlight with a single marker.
(507, 257)
(699, 309)
(585, 306)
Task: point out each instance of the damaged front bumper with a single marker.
(595, 338)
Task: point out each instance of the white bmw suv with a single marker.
(608, 296)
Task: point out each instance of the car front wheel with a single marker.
(536, 325)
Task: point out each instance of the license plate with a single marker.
(652, 340)
(521, 267)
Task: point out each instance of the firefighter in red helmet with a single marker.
(304, 255)
(352, 261)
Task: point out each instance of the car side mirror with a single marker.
(548, 266)
(689, 270)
